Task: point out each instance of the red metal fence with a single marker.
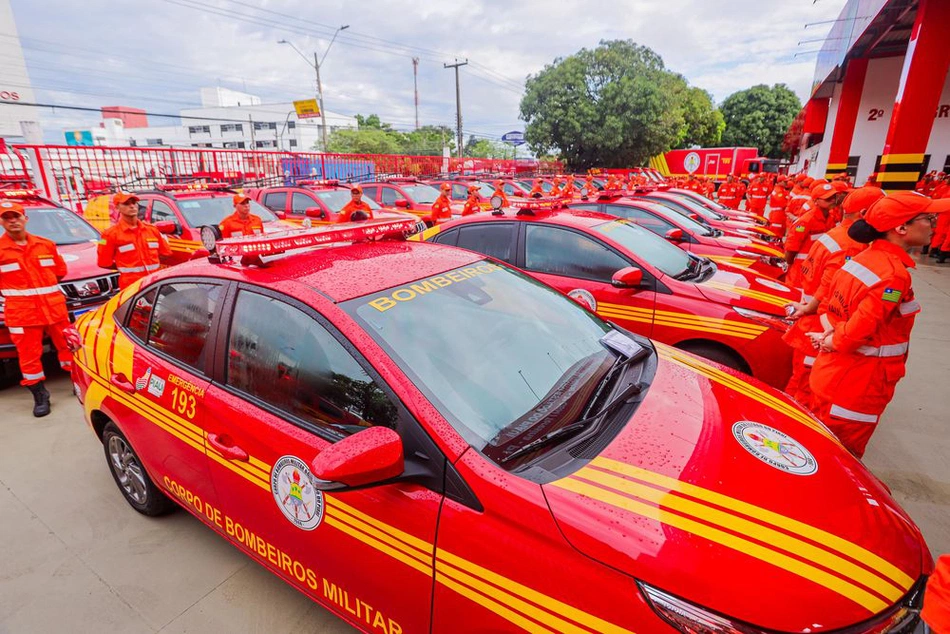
(73, 174)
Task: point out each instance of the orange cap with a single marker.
(822, 191)
(498, 184)
(357, 188)
(124, 197)
(840, 186)
(240, 198)
(8, 207)
(445, 187)
(895, 209)
(807, 182)
(861, 198)
(473, 189)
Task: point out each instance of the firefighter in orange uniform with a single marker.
(132, 246)
(500, 192)
(242, 222)
(536, 190)
(357, 208)
(828, 253)
(729, 193)
(30, 269)
(870, 314)
(555, 191)
(442, 207)
(758, 195)
(590, 189)
(936, 611)
(471, 203)
(813, 223)
(709, 187)
(778, 200)
(939, 246)
(568, 190)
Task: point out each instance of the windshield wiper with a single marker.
(577, 426)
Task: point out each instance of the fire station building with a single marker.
(881, 97)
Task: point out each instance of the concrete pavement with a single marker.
(74, 557)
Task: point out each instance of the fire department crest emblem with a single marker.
(774, 448)
(292, 485)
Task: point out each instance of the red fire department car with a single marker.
(460, 187)
(407, 194)
(748, 227)
(423, 440)
(321, 201)
(727, 314)
(719, 208)
(85, 285)
(694, 237)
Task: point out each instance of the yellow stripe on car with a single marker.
(768, 298)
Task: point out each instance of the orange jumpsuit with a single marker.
(827, 255)
(471, 206)
(33, 302)
(872, 309)
(441, 208)
(806, 230)
(729, 195)
(778, 200)
(234, 226)
(758, 196)
(536, 191)
(941, 237)
(499, 192)
(134, 251)
(936, 612)
(346, 214)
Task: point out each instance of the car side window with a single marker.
(643, 218)
(370, 191)
(459, 192)
(301, 202)
(163, 212)
(591, 207)
(447, 237)
(562, 252)
(276, 201)
(390, 196)
(181, 321)
(509, 189)
(284, 357)
(492, 239)
(143, 206)
(141, 315)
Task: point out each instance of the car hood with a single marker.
(81, 261)
(728, 495)
(746, 289)
(748, 244)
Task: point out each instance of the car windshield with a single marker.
(503, 357)
(60, 225)
(485, 190)
(667, 210)
(691, 205)
(421, 194)
(646, 246)
(199, 212)
(336, 199)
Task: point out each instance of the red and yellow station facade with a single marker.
(881, 97)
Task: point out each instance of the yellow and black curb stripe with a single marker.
(673, 319)
(900, 172)
(796, 547)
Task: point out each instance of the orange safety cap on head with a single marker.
(822, 191)
(473, 189)
(9, 207)
(895, 209)
(841, 186)
(861, 198)
(240, 198)
(356, 188)
(445, 187)
(123, 197)
(498, 184)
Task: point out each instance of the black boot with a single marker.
(40, 399)
(942, 256)
(934, 253)
(925, 249)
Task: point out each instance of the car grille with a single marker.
(90, 291)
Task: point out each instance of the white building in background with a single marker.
(18, 124)
(226, 119)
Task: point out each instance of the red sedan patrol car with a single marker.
(423, 440)
(407, 194)
(745, 227)
(85, 286)
(320, 201)
(634, 278)
(692, 236)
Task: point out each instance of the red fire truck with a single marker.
(717, 162)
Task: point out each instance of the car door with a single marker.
(275, 200)
(161, 405)
(581, 266)
(496, 239)
(289, 385)
(389, 195)
(299, 204)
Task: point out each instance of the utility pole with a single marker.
(415, 86)
(323, 114)
(458, 104)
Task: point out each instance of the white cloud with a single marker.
(156, 54)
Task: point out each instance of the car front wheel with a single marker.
(130, 476)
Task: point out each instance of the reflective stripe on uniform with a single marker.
(125, 248)
(840, 412)
(809, 361)
(801, 256)
(48, 262)
(9, 268)
(15, 331)
(890, 350)
(152, 245)
(29, 292)
(909, 308)
(861, 272)
(34, 377)
(131, 269)
(152, 267)
(829, 243)
(806, 298)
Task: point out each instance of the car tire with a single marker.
(130, 476)
(713, 352)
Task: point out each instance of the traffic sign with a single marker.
(515, 137)
(307, 108)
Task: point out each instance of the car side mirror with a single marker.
(167, 227)
(281, 215)
(370, 456)
(315, 212)
(627, 277)
(674, 235)
(402, 204)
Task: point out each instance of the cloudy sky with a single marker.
(155, 54)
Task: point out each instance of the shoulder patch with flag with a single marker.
(891, 295)
(800, 228)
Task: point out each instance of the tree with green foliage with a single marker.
(485, 148)
(614, 106)
(373, 136)
(759, 117)
(704, 123)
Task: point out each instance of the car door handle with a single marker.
(232, 452)
(122, 383)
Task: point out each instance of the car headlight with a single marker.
(772, 321)
(690, 618)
